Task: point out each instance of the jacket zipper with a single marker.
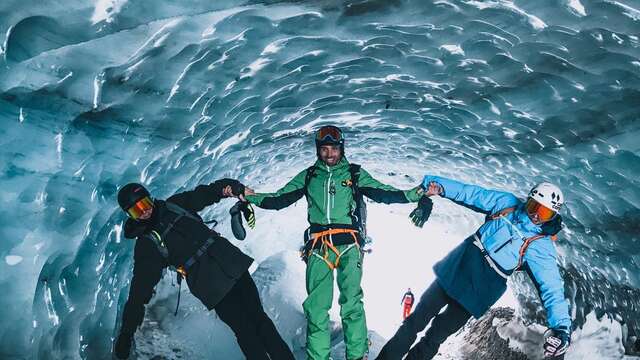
(511, 238)
(328, 195)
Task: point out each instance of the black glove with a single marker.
(236, 221)
(237, 188)
(556, 342)
(123, 346)
(421, 213)
(246, 210)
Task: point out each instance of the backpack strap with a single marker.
(182, 212)
(154, 237)
(175, 208)
(523, 249)
(359, 213)
(354, 170)
(311, 170)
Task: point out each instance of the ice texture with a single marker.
(503, 94)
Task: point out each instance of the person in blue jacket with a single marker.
(473, 276)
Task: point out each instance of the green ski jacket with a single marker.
(329, 194)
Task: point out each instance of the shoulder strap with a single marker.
(354, 169)
(527, 242)
(175, 208)
(360, 212)
(157, 241)
(311, 170)
(181, 212)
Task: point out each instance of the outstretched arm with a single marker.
(147, 271)
(379, 192)
(285, 196)
(472, 196)
(205, 195)
(543, 269)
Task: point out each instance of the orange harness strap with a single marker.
(527, 242)
(327, 244)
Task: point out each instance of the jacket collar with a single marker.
(134, 228)
(343, 163)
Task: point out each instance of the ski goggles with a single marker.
(140, 207)
(544, 213)
(330, 133)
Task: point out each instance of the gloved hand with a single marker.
(236, 221)
(421, 213)
(237, 188)
(556, 342)
(246, 210)
(122, 347)
(249, 214)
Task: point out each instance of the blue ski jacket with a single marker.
(503, 237)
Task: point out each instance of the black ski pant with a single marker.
(257, 336)
(443, 325)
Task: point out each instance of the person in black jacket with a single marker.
(171, 233)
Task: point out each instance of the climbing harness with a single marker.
(323, 241)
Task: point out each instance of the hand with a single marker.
(122, 347)
(434, 189)
(556, 342)
(247, 191)
(227, 191)
(421, 213)
(231, 187)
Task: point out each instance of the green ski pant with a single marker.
(316, 307)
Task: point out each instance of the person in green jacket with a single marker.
(333, 188)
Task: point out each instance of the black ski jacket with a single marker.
(209, 279)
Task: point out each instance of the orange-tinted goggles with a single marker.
(544, 213)
(330, 133)
(140, 207)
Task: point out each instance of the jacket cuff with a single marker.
(561, 325)
(450, 188)
(412, 195)
(254, 199)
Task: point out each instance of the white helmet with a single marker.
(548, 195)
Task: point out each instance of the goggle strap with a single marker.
(332, 133)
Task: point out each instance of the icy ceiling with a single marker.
(499, 93)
